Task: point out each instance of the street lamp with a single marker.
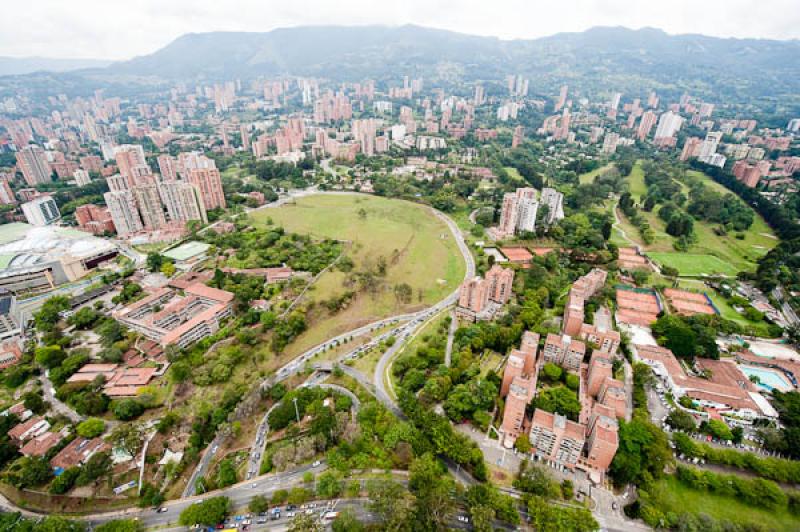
(296, 411)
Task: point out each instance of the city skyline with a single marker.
(46, 28)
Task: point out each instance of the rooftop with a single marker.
(187, 251)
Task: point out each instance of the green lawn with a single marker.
(588, 177)
(418, 247)
(514, 174)
(636, 184)
(676, 497)
(732, 254)
(694, 264)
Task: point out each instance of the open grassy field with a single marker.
(418, 247)
(636, 184)
(588, 177)
(514, 174)
(675, 497)
(693, 264)
(729, 253)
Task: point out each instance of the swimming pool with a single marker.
(769, 378)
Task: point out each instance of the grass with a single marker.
(694, 264)
(514, 174)
(419, 248)
(588, 177)
(636, 184)
(676, 497)
(731, 254)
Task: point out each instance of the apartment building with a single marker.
(564, 351)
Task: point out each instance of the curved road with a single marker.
(402, 333)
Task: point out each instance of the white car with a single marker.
(316, 464)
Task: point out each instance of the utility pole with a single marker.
(296, 411)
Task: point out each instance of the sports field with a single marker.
(419, 249)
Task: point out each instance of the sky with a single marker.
(121, 29)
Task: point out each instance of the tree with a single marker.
(431, 487)
(561, 400)
(28, 472)
(128, 437)
(49, 356)
(304, 523)
(168, 269)
(523, 443)
(258, 504)
(34, 402)
(120, 525)
(545, 517)
(347, 522)
(718, 429)
(680, 420)
(84, 318)
(209, 512)
(154, 261)
(127, 409)
(226, 475)
(329, 485)
(391, 503)
(91, 428)
(98, 465)
(642, 454)
(49, 314)
(65, 481)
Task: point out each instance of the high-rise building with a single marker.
(603, 439)
(668, 124)
(41, 211)
(202, 172)
(122, 206)
(646, 125)
(32, 160)
(555, 203)
(183, 201)
(131, 162)
(501, 281)
(81, 177)
(562, 98)
(526, 218)
(149, 204)
(709, 145)
(167, 167)
(610, 142)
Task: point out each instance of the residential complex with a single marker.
(480, 299)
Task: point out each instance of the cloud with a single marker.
(119, 29)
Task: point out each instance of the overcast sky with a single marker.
(120, 29)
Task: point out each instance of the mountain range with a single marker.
(15, 66)
(601, 57)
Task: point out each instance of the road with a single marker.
(55, 403)
(415, 320)
(385, 361)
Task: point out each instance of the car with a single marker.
(290, 514)
(309, 511)
(162, 510)
(290, 507)
(614, 506)
(316, 464)
(463, 519)
(254, 485)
